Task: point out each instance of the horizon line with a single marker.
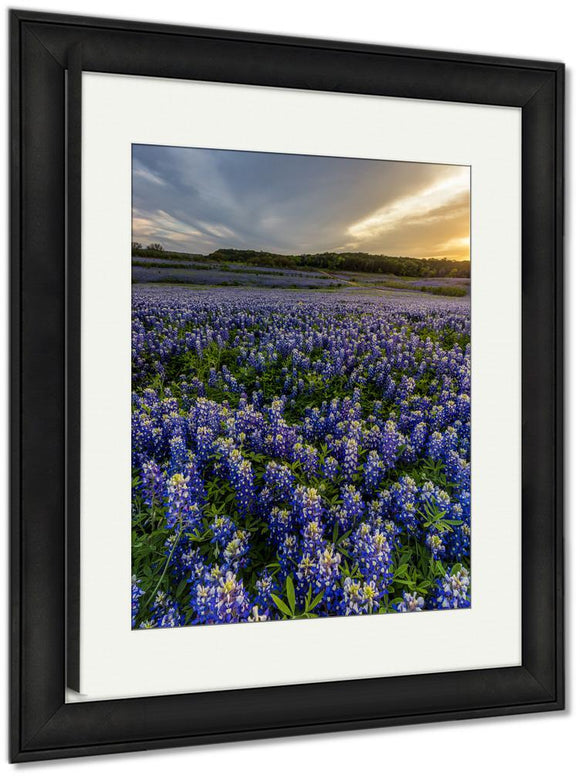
(304, 254)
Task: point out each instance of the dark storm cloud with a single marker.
(199, 200)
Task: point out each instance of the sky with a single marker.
(200, 200)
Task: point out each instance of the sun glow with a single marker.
(445, 202)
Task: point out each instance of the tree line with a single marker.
(358, 262)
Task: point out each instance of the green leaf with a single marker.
(291, 594)
(316, 601)
(281, 605)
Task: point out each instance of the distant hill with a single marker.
(346, 261)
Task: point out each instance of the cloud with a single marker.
(199, 200)
(161, 227)
(442, 205)
(144, 173)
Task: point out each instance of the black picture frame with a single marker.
(48, 54)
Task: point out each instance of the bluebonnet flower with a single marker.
(338, 515)
(178, 454)
(313, 536)
(136, 594)
(403, 504)
(459, 542)
(360, 597)
(256, 615)
(418, 437)
(427, 494)
(152, 483)
(463, 406)
(279, 478)
(220, 597)
(393, 533)
(374, 470)
(457, 469)
(202, 601)
(195, 481)
(435, 544)
(183, 555)
(352, 597)
(236, 550)
(370, 597)
(391, 442)
(264, 588)
(204, 439)
(280, 523)
(372, 551)
(329, 467)
(352, 504)
(164, 612)
(223, 529)
(286, 552)
(405, 388)
(235, 438)
(307, 456)
(326, 574)
(307, 504)
(411, 602)
(349, 459)
(231, 599)
(180, 510)
(438, 502)
(305, 572)
(242, 478)
(435, 448)
(464, 497)
(452, 591)
(275, 412)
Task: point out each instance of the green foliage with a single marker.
(413, 566)
(344, 261)
(288, 608)
(450, 292)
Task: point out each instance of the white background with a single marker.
(535, 745)
(116, 661)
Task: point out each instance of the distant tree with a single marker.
(135, 246)
(358, 262)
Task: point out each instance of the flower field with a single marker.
(298, 454)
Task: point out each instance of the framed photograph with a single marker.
(286, 386)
